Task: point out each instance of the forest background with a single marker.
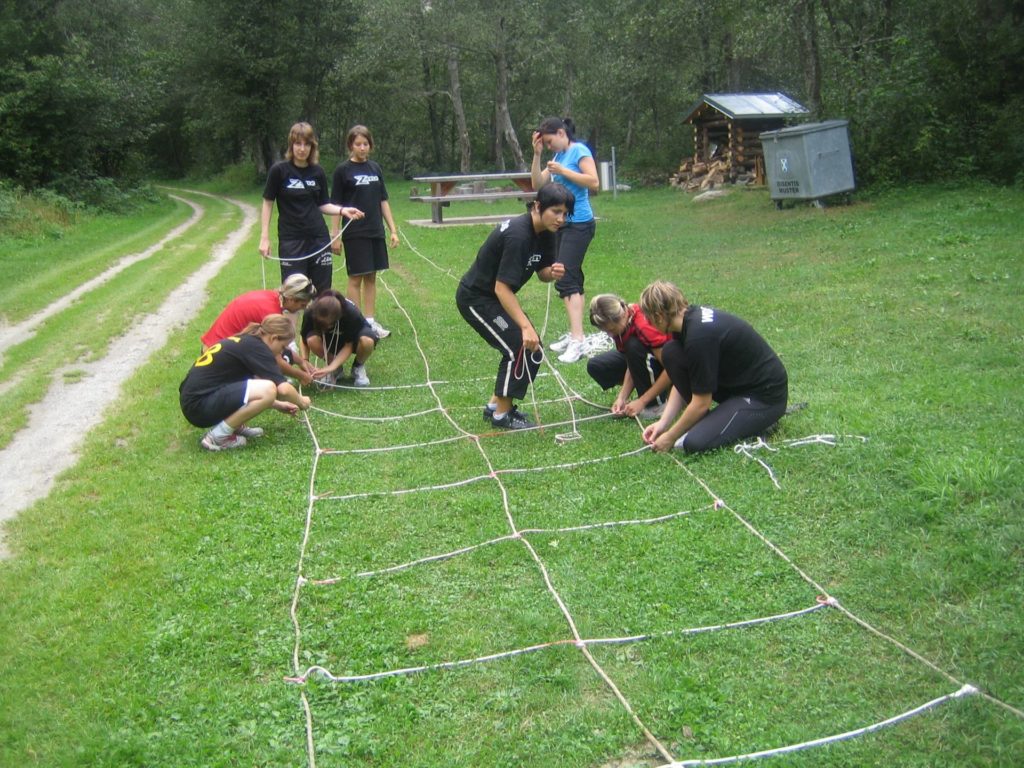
(98, 97)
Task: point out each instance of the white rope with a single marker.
(510, 537)
(314, 254)
(494, 473)
(522, 536)
(746, 449)
(377, 419)
(326, 674)
(435, 265)
(966, 690)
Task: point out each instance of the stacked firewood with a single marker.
(700, 176)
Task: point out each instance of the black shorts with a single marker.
(364, 255)
(210, 410)
(573, 241)
(334, 342)
(296, 258)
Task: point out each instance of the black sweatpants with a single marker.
(609, 368)
(518, 367)
(728, 422)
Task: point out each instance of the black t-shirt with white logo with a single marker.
(360, 185)
(511, 254)
(299, 193)
(728, 358)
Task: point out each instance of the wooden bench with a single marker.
(444, 191)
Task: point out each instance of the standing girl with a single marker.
(236, 379)
(299, 186)
(359, 182)
(573, 165)
(486, 297)
(635, 363)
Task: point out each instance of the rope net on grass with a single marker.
(525, 537)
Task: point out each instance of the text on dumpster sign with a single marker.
(791, 187)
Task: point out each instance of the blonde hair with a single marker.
(303, 131)
(297, 286)
(663, 300)
(607, 310)
(273, 326)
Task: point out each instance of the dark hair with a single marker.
(556, 124)
(326, 309)
(555, 194)
(354, 132)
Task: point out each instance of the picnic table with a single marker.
(473, 186)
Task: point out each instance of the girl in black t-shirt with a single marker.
(714, 357)
(486, 297)
(299, 186)
(359, 182)
(334, 330)
(236, 379)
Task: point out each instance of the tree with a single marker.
(76, 98)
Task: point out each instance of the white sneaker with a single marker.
(359, 377)
(326, 382)
(213, 443)
(559, 344)
(249, 432)
(574, 350)
(380, 330)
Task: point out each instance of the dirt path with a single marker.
(28, 471)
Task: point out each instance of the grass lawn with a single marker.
(148, 602)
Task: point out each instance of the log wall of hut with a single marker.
(736, 141)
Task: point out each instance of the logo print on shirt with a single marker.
(365, 179)
(535, 259)
(707, 315)
(296, 184)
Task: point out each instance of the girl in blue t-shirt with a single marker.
(572, 165)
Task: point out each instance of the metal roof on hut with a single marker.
(747, 105)
(726, 129)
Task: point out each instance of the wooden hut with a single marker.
(726, 127)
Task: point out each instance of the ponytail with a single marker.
(272, 326)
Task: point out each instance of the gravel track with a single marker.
(70, 409)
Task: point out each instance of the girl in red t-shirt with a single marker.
(635, 363)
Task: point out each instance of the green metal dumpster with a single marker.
(808, 162)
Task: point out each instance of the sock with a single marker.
(492, 407)
(222, 430)
(369, 320)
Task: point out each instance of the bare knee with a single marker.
(365, 348)
(316, 346)
(262, 392)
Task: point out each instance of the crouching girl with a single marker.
(236, 379)
(334, 329)
(635, 363)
